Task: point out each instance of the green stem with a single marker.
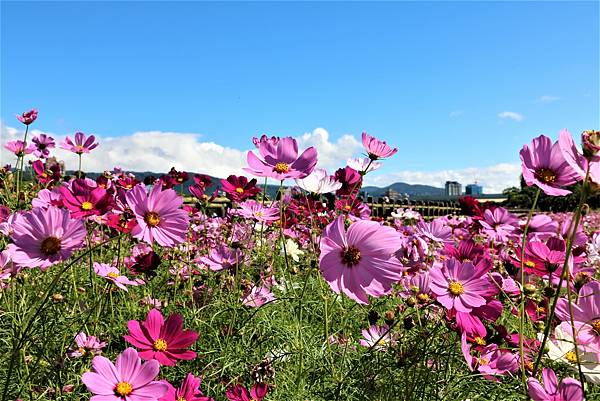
(522, 305)
(564, 273)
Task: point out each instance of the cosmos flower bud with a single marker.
(591, 143)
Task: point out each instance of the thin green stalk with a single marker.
(565, 270)
(522, 305)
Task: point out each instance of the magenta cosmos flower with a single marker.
(189, 391)
(43, 237)
(568, 390)
(81, 145)
(43, 143)
(377, 149)
(239, 188)
(281, 161)
(544, 165)
(83, 198)
(459, 286)
(240, 393)
(158, 215)
(127, 380)
(360, 261)
(28, 117)
(162, 340)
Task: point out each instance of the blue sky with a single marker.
(431, 78)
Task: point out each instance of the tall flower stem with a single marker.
(79, 169)
(522, 304)
(19, 166)
(565, 275)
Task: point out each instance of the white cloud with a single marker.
(547, 99)
(493, 178)
(332, 155)
(456, 113)
(158, 151)
(511, 115)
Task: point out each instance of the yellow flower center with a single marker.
(181, 399)
(347, 208)
(112, 275)
(571, 357)
(50, 246)
(423, 298)
(152, 219)
(596, 327)
(381, 342)
(351, 256)
(239, 190)
(281, 168)
(456, 288)
(483, 361)
(123, 389)
(87, 205)
(546, 175)
(479, 341)
(160, 345)
(530, 264)
(81, 350)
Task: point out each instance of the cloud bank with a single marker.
(158, 151)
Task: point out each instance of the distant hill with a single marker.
(403, 188)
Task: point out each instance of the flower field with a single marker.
(116, 289)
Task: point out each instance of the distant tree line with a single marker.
(523, 198)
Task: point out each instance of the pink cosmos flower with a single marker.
(252, 209)
(239, 392)
(586, 315)
(281, 161)
(113, 275)
(377, 149)
(81, 144)
(459, 285)
(378, 337)
(568, 390)
(360, 261)
(43, 237)
(164, 341)
(499, 224)
(83, 198)
(491, 361)
(436, 231)
(18, 147)
(158, 215)
(127, 380)
(28, 117)
(257, 297)
(577, 161)
(222, 257)
(189, 391)
(545, 166)
(86, 345)
(43, 143)
(46, 198)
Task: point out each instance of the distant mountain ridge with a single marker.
(404, 188)
(399, 187)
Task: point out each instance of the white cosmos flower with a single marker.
(319, 182)
(293, 250)
(361, 163)
(563, 349)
